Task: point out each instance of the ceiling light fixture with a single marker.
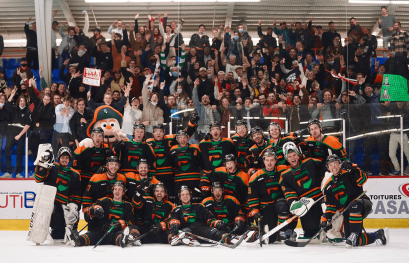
(369, 2)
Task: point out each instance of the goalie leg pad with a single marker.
(42, 213)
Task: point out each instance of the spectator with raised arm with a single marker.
(152, 114)
(66, 45)
(62, 130)
(32, 48)
(199, 39)
(103, 55)
(267, 40)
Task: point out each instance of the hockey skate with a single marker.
(287, 235)
(352, 240)
(73, 237)
(124, 238)
(382, 237)
(134, 234)
(190, 241)
(177, 239)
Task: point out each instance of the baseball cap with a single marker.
(96, 29)
(55, 22)
(202, 68)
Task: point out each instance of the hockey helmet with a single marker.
(112, 159)
(181, 133)
(272, 124)
(269, 152)
(290, 147)
(313, 121)
(138, 126)
(183, 188)
(159, 185)
(159, 127)
(214, 124)
(241, 122)
(332, 158)
(255, 130)
(217, 185)
(97, 130)
(119, 183)
(64, 151)
(229, 157)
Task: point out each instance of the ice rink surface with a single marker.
(14, 248)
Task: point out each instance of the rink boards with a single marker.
(390, 198)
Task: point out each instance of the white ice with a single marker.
(14, 248)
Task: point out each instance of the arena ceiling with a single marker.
(15, 12)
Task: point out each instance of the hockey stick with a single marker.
(223, 244)
(277, 228)
(303, 244)
(109, 231)
(234, 229)
(259, 231)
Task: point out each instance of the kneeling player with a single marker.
(343, 188)
(266, 201)
(113, 215)
(195, 219)
(156, 213)
(226, 208)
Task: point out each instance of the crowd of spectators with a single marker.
(295, 72)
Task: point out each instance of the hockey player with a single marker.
(242, 142)
(342, 188)
(130, 152)
(226, 208)
(88, 161)
(155, 214)
(214, 148)
(100, 185)
(277, 141)
(187, 162)
(68, 183)
(234, 181)
(196, 219)
(319, 146)
(266, 200)
(161, 145)
(112, 214)
(253, 154)
(138, 181)
(301, 184)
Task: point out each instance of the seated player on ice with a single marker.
(109, 215)
(342, 188)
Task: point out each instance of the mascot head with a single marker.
(109, 120)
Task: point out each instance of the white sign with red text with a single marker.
(92, 77)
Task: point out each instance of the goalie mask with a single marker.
(290, 147)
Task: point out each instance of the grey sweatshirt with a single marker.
(387, 21)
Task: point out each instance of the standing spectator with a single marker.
(66, 45)
(132, 115)
(225, 114)
(103, 55)
(62, 130)
(199, 40)
(3, 81)
(234, 49)
(4, 121)
(328, 37)
(152, 114)
(207, 113)
(266, 40)
(284, 32)
(72, 78)
(400, 40)
(19, 125)
(386, 23)
(81, 57)
(80, 120)
(327, 111)
(273, 108)
(118, 58)
(96, 36)
(1, 51)
(243, 35)
(43, 119)
(398, 108)
(369, 112)
(134, 72)
(16, 78)
(298, 112)
(118, 29)
(205, 85)
(32, 49)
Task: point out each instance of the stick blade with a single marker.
(295, 243)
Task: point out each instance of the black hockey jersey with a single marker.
(228, 210)
(129, 153)
(213, 152)
(242, 145)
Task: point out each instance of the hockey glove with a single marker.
(258, 217)
(158, 227)
(174, 229)
(306, 154)
(239, 224)
(45, 159)
(221, 225)
(325, 225)
(97, 211)
(301, 207)
(346, 165)
(207, 136)
(101, 170)
(118, 225)
(141, 190)
(70, 213)
(194, 118)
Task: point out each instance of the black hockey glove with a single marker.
(157, 228)
(207, 136)
(258, 216)
(96, 211)
(346, 165)
(174, 229)
(221, 225)
(306, 154)
(194, 117)
(141, 190)
(107, 226)
(239, 224)
(101, 170)
(325, 225)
